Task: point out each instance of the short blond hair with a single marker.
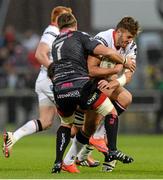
(57, 11)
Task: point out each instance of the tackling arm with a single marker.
(96, 71)
(114, 56)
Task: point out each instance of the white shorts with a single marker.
(43, 88)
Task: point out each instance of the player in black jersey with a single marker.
(73, 86)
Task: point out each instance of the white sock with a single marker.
(100, 131)
(75, 148)
(85, 151)
(29, 128)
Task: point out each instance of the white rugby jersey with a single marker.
(107, 39)
(49, 35)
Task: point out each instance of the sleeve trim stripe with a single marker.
(102, 40)
(51, 33)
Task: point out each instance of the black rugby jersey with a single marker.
(70, 51)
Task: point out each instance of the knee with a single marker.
(125, 99)
(129, 98)
(46, 123)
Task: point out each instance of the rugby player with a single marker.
(73, 86)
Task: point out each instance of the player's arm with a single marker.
(95, 47)
(114, 56)
(42, 54)
(126, 77)
(107, 87)
(96, 71)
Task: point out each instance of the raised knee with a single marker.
(129, 98)
(46, 123)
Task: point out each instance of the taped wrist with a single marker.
(125, 60)
(122, 80)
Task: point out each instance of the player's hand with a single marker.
(118, 68)
(107, 87)
(103, 84)
(130, 64)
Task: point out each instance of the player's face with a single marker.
(125, 38)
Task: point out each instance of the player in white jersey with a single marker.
(120, 39)
(43, 87)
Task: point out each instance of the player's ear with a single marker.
(119, 32)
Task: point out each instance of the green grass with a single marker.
(33, 157)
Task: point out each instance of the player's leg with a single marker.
(98, 139)
(62, 141)
(79, 141)
(121, 99)
(111, 127)
(47, 111)
(66, 108)
(124, 97)
(107, 110)
(84, 157)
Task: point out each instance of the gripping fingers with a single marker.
(102, 84)
(133, 67)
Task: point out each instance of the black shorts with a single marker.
(69, 95)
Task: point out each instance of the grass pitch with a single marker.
(33, 157)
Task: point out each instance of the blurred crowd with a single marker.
(18, 71)
(18, 66)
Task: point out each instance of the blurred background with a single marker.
(21, 25)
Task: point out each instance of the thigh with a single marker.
(67, 102)
(43, 88)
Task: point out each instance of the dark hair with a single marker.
(66, 20)
(129, 24)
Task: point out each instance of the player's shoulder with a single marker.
(82, 33)
(51, 30)
(105, 37)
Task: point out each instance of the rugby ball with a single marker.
(106, 63)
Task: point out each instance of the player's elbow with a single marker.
(37, 54)
(92, 73)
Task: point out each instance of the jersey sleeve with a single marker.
(89, 42)
(101, 38)
(48, 37)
